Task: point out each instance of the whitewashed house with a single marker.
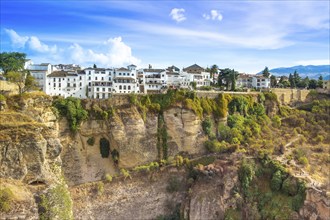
(244, 81)
(198, 75)
(154, 80)
(66, 84)
(125, 80)
(260, 82)
(99, 82)
(173, 77)
(40, 72)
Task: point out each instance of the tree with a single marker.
(213, 70)
(94, 66)
(12, 62)
(266, 72)
(273, 81)
(320, 82)
(312, 84)
(304, 83)
(296, 78)
(291, 81)
(229, 76)
(23, 80)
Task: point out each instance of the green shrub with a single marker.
(56, 203)
(115, 156)
(91, 141)
(6, 199)
(246, 174)
(125, 173)
(290, 186)
(73, 111)
(276, 121)
(207, 126)
(100, 188)
(303, 160)
(108, 178)
(276, 181)
(216, 146)
(2, 98)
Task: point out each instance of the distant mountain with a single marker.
(313, 72)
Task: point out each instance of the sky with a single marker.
(241, 35)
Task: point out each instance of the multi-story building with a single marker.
(244, 81)
(40, 72)
(66, 84)
(125, 80)
(260, 82)
(198, 74)
(173, 77)
(154, 80)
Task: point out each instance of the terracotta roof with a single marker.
(132, 65)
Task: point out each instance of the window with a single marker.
(125, 87)
(54, 84)
(129, 87)
(109, 78)
(102, 78)
(89, 84)
(80, 84)
(103, 89)
(119, 74)
(89, 72)
(120, 87)
(109, 90)
(97, 89)
(124, 74)
(68, 85)
(80, 77)
(59, 85)
(89, 78)
(54, 80)
(96, 78)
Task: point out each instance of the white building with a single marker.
(154, 80)
(260, 82)
(198, 75)
(125, 80)
(66, 84)
(40, 72)
(244, 81)
(99, 82)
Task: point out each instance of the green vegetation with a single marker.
(108, 178)
(91, 141)
(71, 109)
(125, 173)
(162, 138)
(56, 203)
(6, 199)
(274, 192)
(148, 167)
(100, 188)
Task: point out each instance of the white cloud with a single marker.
(116, 53)
(18, 41)
(33, 43)
(113, 52)
(177, 14)
(214, 15)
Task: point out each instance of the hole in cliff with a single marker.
(104, 148)
(37, 183)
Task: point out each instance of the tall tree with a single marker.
(312, 84)
(224, 77)
(233, 78)
(304, 83)
(273, 81)
(292, 81)
(320, 82)
(266, 72)
(94, 66)
(13, 61)
(296, 78)
(213, 70)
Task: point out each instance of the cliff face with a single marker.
(135, 139)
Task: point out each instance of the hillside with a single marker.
(313, 72)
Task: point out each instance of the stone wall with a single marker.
(8, 88)
(290, 96)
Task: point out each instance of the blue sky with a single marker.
(244, 35)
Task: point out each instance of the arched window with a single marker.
(129, 87)
(120, 87)
(125, 87)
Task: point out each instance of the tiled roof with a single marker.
(194, 69)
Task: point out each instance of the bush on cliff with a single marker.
(71, 109)
(6, 199)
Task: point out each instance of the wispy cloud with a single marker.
(177, 14)
(214, 15)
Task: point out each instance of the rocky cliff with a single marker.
(36, 146)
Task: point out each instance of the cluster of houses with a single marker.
(101, 83)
